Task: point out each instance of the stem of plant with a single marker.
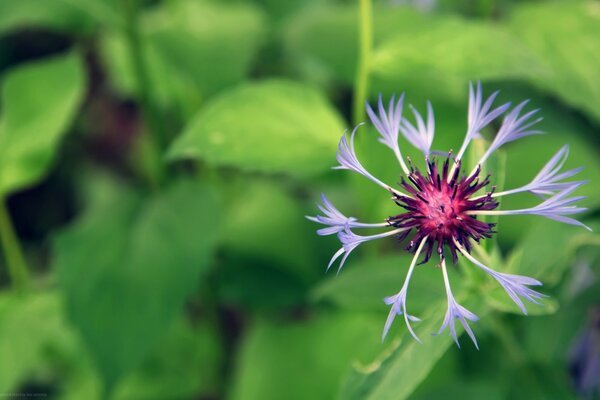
(365, 47)
(157, 139)
(13, 254)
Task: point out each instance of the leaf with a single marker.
(275, 213)
(201, 47)
(184, 365)
(127, 268)
(302, 359)
(363, 285)
(497, 299)
(272, 126)
(39, 102)
(214, 44)
(550, 31)
(399, 369)
(446, 53)
(525, 158)
(548, 249)
(27, 325)
(404, 363)
(71, 16)
(324, 37)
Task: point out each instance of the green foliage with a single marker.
(27, 324)
(565, 37)
(399, 369)
(78, 16)
(178, 40)
(147, 259)
(208, 281)
(317, 351)
(39, 101)
(465, 50)
(294, 130)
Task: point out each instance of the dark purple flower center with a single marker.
(439, 209)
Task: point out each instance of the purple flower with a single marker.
(584, 358)
(442, 204)
(548, 181)
(420, 136)
(514, 285)
(337, 221)
(456, 312)
(388, 125)
(398, 301)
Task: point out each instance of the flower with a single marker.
(442, 205)
(584, 358)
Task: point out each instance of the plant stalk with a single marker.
(365, 48)
(157, 139)
(13, 254)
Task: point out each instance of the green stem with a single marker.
(157, 140)
(13, 254)
(365, 47)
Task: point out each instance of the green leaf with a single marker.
(127, 268)
(497, 299)
(72, 16)
(304, 359)
(184, 365)
(399, 369)
(272, 126)
(565, 36)
(363, 284)
(324, 38)
(39, 102)
(27, 325)
(200, 46)
(525, 158)
(549, 249)
(269, 209)
(446, 53)
(404, 363)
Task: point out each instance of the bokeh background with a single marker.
(157, 159)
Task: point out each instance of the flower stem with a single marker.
(157, 139)
(365, 47)
(13, 254)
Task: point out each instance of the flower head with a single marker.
(442, 205)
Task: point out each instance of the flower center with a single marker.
(438, 209)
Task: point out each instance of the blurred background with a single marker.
(157, 159)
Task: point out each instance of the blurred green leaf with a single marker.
(191, 48)
(272, 126)
(285, 235)
(72, 16)
(127, 267)
(27, 325)
(212, 43)
(403, 364)
(447, 52)
(185, 364)
(304, 359)
(565, 36)
(325, 37)
(497, 299)
(548, 249)
(363, 285)
(525, 158)
(39, 101)
(399, 369)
